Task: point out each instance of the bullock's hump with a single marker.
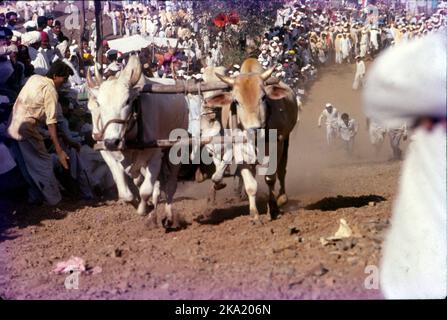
(209, 73)
(251, 65)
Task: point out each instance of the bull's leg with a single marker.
(156, 194)
(239, 189)
(221, 166)
(272, 206)
(282, 167)
(251, 187)
(152, 221)
(147, 187)
(138, 181)
(119, 176)
(217, 178)
(171, 221)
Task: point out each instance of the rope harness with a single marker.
(132, 119)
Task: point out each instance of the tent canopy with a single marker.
(138, 42)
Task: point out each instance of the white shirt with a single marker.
(209, 61)
(347, 131)
(75, 79)
(331, 118)
(360, 68)
(39, 60)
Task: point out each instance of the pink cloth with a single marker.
(72, 264)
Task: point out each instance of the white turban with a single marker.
(408, 81)
(30, 24)
(30, 38)
(16, 33)
(62, 47)
(73, 49)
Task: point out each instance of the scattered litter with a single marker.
(72, 264)
(344, 231)
(75, 264)
(371, 203)
(117, 253)
(293, 230)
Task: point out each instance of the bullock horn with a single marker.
(227, 80)
(98, 76)
(266, 74)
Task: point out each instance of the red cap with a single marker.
(43, 36)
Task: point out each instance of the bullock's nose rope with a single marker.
(132, 115)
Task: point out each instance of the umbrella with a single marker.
(233, 18)
(220, 20)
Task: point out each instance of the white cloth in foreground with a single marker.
(406, 83)
(398, 90)
(347, 132)
(414, 262)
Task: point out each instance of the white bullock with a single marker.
(111, 104)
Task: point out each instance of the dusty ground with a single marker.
(224, 256)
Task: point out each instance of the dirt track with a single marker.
(223, 257)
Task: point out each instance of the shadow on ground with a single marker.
(222, 213)
(334, 203)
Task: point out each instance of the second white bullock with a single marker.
(111, 104)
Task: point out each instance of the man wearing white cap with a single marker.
(364, 43)
(396, 133)
(264, 57)
(414, 261)
(374, 43)
(347, 129)
(114, 20)
(264, 45)
(346, 46)
(331, 115)
(338, 49)
(209, 61)
(376, 134)
(359, 73)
